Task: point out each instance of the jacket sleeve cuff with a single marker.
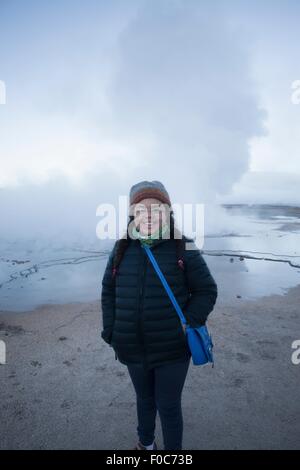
(193, 320)
(106, 335)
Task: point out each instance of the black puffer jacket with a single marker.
(139, 319)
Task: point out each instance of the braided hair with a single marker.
(123, 243)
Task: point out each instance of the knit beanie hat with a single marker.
(148, 189)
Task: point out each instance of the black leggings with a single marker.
(160, 389)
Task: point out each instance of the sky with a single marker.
(98, 95)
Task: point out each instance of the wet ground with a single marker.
(61, 387)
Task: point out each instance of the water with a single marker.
(39, 272)
(261, 259)
(255, 252)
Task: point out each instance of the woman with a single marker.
(139, 320)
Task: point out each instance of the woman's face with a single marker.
(150, 214)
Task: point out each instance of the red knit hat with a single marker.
(149, 189)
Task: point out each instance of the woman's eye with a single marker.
(156, 213)
(144, 212)
(140, 212)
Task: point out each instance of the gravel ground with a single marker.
(61, 387)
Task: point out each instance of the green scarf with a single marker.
(150, 239)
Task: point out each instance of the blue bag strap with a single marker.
(165, 284)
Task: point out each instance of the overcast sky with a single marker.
(197, 94)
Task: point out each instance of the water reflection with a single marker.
(257, 254)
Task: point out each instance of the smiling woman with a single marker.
(140, 322)
(151, 220)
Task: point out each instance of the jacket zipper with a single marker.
(140, 313)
